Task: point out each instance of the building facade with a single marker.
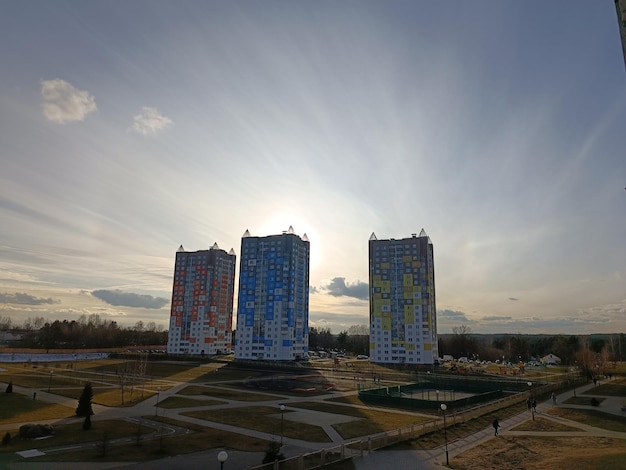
(201, 316)
(403, 323)
(273, 299)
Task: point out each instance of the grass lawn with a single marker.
(263, 418)
(544, 425)
(17, 408)
(594, 418)
(225, 373)
(372, 421)
(614, 388)
(73, 433)
(201, 438)
(184, 402)
(540, 453)
(459, 430)
(580, 400)
(227, 394)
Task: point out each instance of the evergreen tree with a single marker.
(273, 452)
(84, 402)
(9, 388)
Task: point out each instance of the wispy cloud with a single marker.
(339, 288)
(149, 121)
(128, 299)
(25, 299)
(63, 103)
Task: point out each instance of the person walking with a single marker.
(495, 425)
(553, 398)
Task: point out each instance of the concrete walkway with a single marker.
(436, 458)
(423, 459)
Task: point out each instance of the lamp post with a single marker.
(156, 407)
(222, 457)
(445, 431)
(282, 422)
(50, 380)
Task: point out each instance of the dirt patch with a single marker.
(540, 453)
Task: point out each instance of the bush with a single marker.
(33, 431)
(6, 440)
(594, 401)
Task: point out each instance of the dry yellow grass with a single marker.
(540, 453)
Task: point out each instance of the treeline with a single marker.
(355, 339)
(87, 332)
(571, 349)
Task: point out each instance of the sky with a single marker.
(130, 128)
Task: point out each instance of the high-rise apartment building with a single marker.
(273, 301)
(403, 323)
(620, 6)
(202, 302)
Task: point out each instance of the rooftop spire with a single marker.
(246, 234)
(373, 237)
(181, 249)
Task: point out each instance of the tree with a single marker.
(9, 388)
(84, 402)
(273, 452)
(461, 343)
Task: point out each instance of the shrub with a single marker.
(6, 440)
(594, 401)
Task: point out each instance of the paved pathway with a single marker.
(436, 458)
(425, 459)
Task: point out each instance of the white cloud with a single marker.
(62, 102)
(149, 121)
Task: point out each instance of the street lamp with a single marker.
(222, 457)
(50, 380)
(156, 407)
(282, 422)
(445, 431)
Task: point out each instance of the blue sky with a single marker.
(130, 128)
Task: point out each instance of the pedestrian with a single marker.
(495, 425)
(553, 398)
(528, 403)
(534, 405)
